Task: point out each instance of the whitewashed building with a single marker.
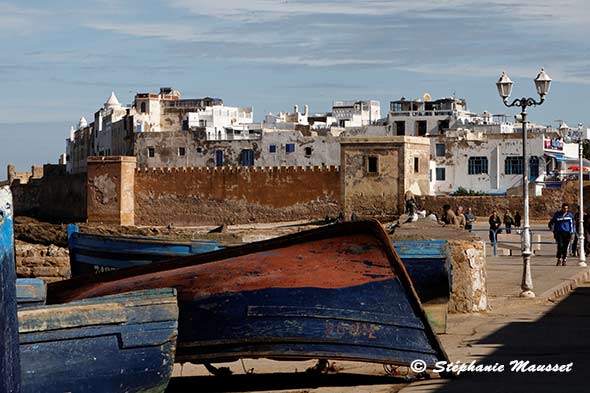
(352, 113)
(492, 163)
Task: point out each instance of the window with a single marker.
(272, 149)
(440, 174)
(290, 148)
(151, 152)
(219, 157)
(533, 167)
(421, 126)
(400, 127)
(143, 108)
(308, 151)
(202, 123)
(416, 164)
(440, 150)
(513, 166)
(477, 165)
(373, 165)
(199, 149)
(182, 151)
(247, 157)
(443, 125)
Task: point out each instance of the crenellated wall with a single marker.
(214, 195)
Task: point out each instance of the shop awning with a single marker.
(558, 157)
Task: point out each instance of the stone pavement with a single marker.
(553, 328)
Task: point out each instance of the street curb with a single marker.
(565, 287)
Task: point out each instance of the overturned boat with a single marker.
(427, 262)
(337, 292)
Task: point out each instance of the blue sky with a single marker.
(61, 59)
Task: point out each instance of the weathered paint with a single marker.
(9, 354)
(100, 253)
(120, 343)
(428, 263)
(339, 292)
(30, 292)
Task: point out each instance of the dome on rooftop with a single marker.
(112, 102)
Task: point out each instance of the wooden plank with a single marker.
(9, 355)
(53, 318)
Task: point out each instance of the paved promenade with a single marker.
(553, 329)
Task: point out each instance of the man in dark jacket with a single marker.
(563, 226)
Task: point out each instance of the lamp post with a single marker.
(581, 252)
(504, 85)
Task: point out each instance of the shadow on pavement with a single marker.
(275, 381)
(561, 336)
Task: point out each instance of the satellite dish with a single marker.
(426, 97)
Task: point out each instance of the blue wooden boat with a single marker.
(119, 343)
(101, 253)
(337, 292)
(428, 263)
(30, 292)
(9, 354)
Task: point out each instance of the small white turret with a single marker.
(112, 102)
(82, 123)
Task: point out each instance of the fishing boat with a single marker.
(119, 343)
(428, 263)
(91, 253)
(336, 292)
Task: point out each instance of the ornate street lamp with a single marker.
(504, 85)
(581, 250)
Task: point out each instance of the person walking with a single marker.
(495, 223)
(469, 219)
(508, 221)
(517, 219)
(563, 226)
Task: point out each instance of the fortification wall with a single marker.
(203, 195)
(52, 196)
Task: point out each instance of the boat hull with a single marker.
(428, 263)
(95, 254)
(337, 292)
(121, 343)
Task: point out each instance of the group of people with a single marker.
(563, 224)
(496, 222)
(458, 218)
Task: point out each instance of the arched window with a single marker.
(143, 107)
